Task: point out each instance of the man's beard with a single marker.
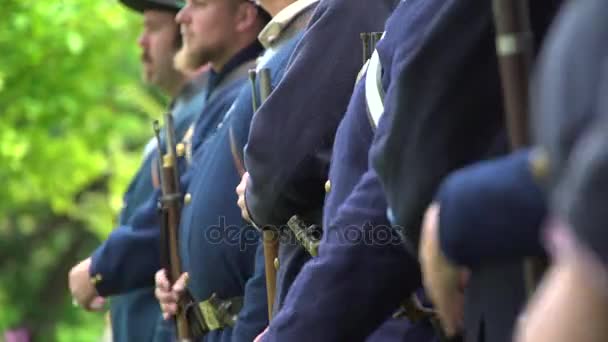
(188, 60)
(160, 71)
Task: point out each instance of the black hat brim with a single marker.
(142, 5)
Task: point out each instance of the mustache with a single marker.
(145, 57)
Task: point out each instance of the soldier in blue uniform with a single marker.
(572, 130)
(573, 292)
(223, 34)
(518, 188)
(288, 151)
(216, 170)
(449, 115)
(472, 223)
(325, 301)
(494, 211)
(134, 314)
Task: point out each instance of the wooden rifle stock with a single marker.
(170, 206)
(270, 237)
(514, 47)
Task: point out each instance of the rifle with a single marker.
(368, 42)
(514, 47)
(188, 320)
(365, 36)
(270, 237)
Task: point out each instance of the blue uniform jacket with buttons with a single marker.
(130, 257)
(451, 112)
(450, 115)
(478, 202)
(477, 220)
(291, 136)
(361, 263)
(217, 246)
(134, 314)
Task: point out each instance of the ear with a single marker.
(246, 16)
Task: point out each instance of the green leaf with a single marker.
(74, 42)
(70, 141)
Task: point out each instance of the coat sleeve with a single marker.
(130, 256)
(483, 205)
(291, 135)
(450, 109)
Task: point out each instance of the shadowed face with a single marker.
(159, 45)
(208, 29)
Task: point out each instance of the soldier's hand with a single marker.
(443, 281)
(168, 296)
(240, 191)
(82, 289)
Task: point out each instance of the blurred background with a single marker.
(74, 116)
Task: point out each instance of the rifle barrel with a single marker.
(514, 47)
(265, 84)
(270, 238)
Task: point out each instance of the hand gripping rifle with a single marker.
(514, 47)
(270, 236)
(188, 320)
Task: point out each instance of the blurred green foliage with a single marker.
(73, 121)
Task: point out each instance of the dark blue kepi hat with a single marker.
(141, 5)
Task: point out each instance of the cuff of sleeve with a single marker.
(100, 277)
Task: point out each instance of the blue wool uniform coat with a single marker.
(291, 136)
(358, 243)
(580, 195)
(209, 222)
(134, 314)
(488, 203)
(451, 115)
(478, 202)
(131, 256)
(451, 112)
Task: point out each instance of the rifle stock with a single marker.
(170, 210)
(270, 237)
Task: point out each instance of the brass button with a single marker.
(96, 279)
(328, 186)
(187, 198)
(276, 264)
(180, 149)
(540, 165)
